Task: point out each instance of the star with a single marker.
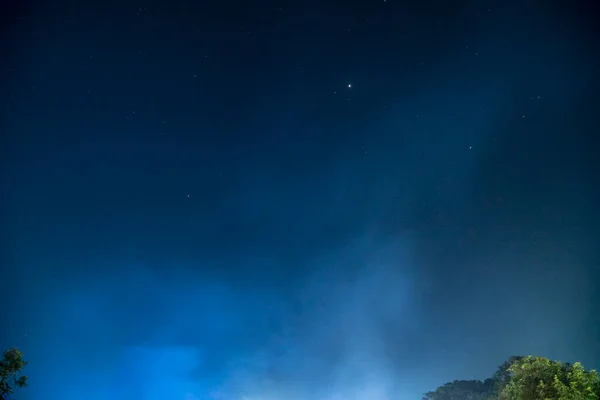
(350, 85)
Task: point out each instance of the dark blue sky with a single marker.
(292, 200)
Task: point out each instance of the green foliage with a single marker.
(526, 378)
(534, 378)
(475, 390)
(461, 390)
(10, 372)
(502, 375)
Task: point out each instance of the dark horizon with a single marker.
(297, 199)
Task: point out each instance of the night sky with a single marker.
(291, 200)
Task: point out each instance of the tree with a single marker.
(502, 376)
(461, 390)
(475, 390)
(534, 378)
(10, 372)
(526, 378)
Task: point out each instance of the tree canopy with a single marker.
(526, 378)
(10, 372)
(461, 390)
(535, 378)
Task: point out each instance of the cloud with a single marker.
(342, 334)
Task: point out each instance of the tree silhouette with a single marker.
(10, 372)
(526, 378)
